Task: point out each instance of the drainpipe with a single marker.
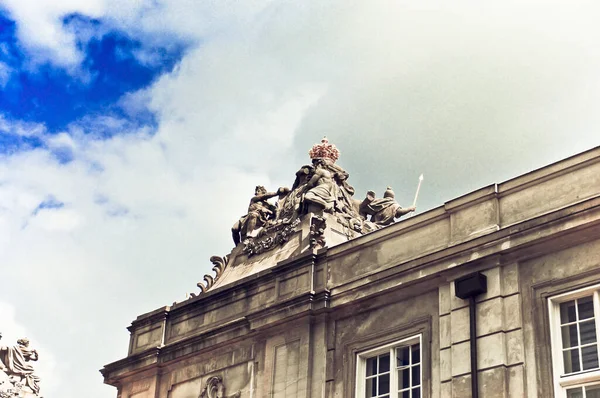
(467, 288)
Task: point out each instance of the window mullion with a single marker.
(393, 382)
(596, 301)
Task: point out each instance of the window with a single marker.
(391, 371)
(574, 322)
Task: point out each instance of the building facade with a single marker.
(316, 301)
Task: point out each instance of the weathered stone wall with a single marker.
(500, 362)
(383, 320)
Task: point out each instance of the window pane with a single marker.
(567, 312)
(371, 388)
(593, 391)
(416, 353)
(384, 384)
(588, 332)
(575, 393)
(404, 379)
(406, 394)
(585, 306)
(589, 357)
(403, 356)
(384, 363)
(371, 366)
(571, 358)
(569, 336)
(416, 375)
(416, 393)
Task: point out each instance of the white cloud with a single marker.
(5, 73)
(21, 128)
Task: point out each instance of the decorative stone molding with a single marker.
(317, 232)
(220, 263)
(276, 236)
(215, 388)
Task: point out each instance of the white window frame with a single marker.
(361, 365)
(584, 377)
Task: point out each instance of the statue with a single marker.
(260, 211)
(289, 207)
(383, 211)
(14, 362)
(321, 189)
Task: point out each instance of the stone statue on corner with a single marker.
(14, 363)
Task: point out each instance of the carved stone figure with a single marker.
(215, 388)
(14, 362)
(383, 211)
(321, 188)
(317, 232)
(259, 212)
(290, 205)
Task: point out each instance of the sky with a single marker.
(132, 135)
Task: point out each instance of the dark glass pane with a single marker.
(404, 379)
(589, 357)
(403, 356)
(385, 396)
(593, 391)
(575, 393)
(416, 375)
(371, 366)
(567, 312)
(405, 394)
(585, 306)
(569, 336)
(416, 393)
(588, 332)
(571, 358)
(384, 384)
(384, 363)
(371, 387)
(416, 353)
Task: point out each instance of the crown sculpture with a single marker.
(319, 203)
(17, 377)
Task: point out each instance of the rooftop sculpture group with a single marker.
(17, 376)
(319, 197)
(319, 187)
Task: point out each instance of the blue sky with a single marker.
(114, 64)
(132, 135)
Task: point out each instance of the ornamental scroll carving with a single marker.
(220, 263)
(276, 236)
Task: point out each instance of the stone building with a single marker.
(324, 296)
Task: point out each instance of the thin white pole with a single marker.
(418, 188)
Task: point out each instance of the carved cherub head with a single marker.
(260, 190)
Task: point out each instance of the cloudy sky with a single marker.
(133, 133)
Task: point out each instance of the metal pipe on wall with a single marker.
(469, 287)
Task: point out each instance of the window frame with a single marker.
(581, 378)
(363, 356)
